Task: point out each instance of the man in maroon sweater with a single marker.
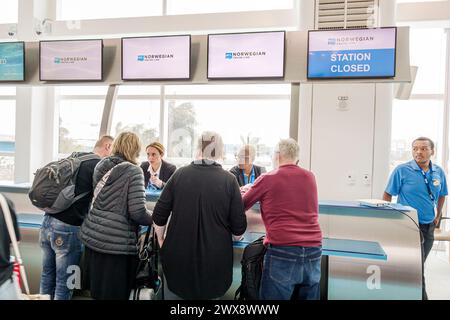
(289, 209)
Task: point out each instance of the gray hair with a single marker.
(247, 150)
(288, 149)
(210, 145)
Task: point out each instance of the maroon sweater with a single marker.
(289, 206)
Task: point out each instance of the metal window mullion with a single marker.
(162, 123)
(179, 97)
(228, 97)
(446, 115)
(7, 154)
(425, 96)
(8, 97)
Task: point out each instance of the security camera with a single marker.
(43, 27)
(12, 30)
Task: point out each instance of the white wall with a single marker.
(347, 149)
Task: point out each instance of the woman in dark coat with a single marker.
(110, 230)
(156, 171)
(205, 209)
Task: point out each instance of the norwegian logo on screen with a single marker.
(59, 60)
(154, 57)
(244, 55)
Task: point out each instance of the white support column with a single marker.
(35, 116)
(306, 21)
(383, 114)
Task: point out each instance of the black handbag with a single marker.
(148, 285)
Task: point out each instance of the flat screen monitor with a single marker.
(246, 55)
(156, 58)
(352, 53)
(12, 61)
(70, 60)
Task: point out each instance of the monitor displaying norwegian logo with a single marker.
(246, 55)
(152, 58)
(12, 61)
(71, 60)
(352, 53)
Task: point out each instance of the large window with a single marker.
(102, 9)
(422, 114)
(208, 6)
(9, 11)
(7, 133)
(176, 115)
(80, 114)
(255, 114)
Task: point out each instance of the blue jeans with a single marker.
(61, 249)
(288, 269)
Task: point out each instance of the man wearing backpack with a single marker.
(289, 209)
(59, 237)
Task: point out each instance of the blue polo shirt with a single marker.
(252, 176)
(408, 183)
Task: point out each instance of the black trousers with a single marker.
(427, 239)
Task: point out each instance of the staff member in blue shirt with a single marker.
(246, 172)
(422, 185)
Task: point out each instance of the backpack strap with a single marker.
(85, 157)
(89, 156)
(102, 183)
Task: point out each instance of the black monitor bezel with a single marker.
(347, 77)
(247, 78)
(155, 79)
(71, 80)
(23, 62)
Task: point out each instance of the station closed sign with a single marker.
(352, 53)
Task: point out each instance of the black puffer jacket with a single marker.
(111, 226)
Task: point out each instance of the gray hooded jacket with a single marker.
(111, 226)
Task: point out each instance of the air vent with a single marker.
(342, 14)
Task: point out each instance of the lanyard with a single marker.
(251, 177)
(427, 183)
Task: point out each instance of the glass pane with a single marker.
(139, 90)
(9, 11)
(408, 124)
(6, 168)
(427, 50)
(82, 90)
(7, 122)
(238, 121)
(236, 89)
(138, 116)
(7, 91)
(79, 124)
(208, 6)
(405, 1)
(101, 9)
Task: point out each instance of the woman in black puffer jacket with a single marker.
(110, 230)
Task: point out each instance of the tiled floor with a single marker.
(437, 274)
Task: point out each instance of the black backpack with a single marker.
(53, 188)
(252, 265)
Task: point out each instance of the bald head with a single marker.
(103, 146)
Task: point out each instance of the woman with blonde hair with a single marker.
(110, 230)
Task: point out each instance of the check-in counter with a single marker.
(369, 253)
